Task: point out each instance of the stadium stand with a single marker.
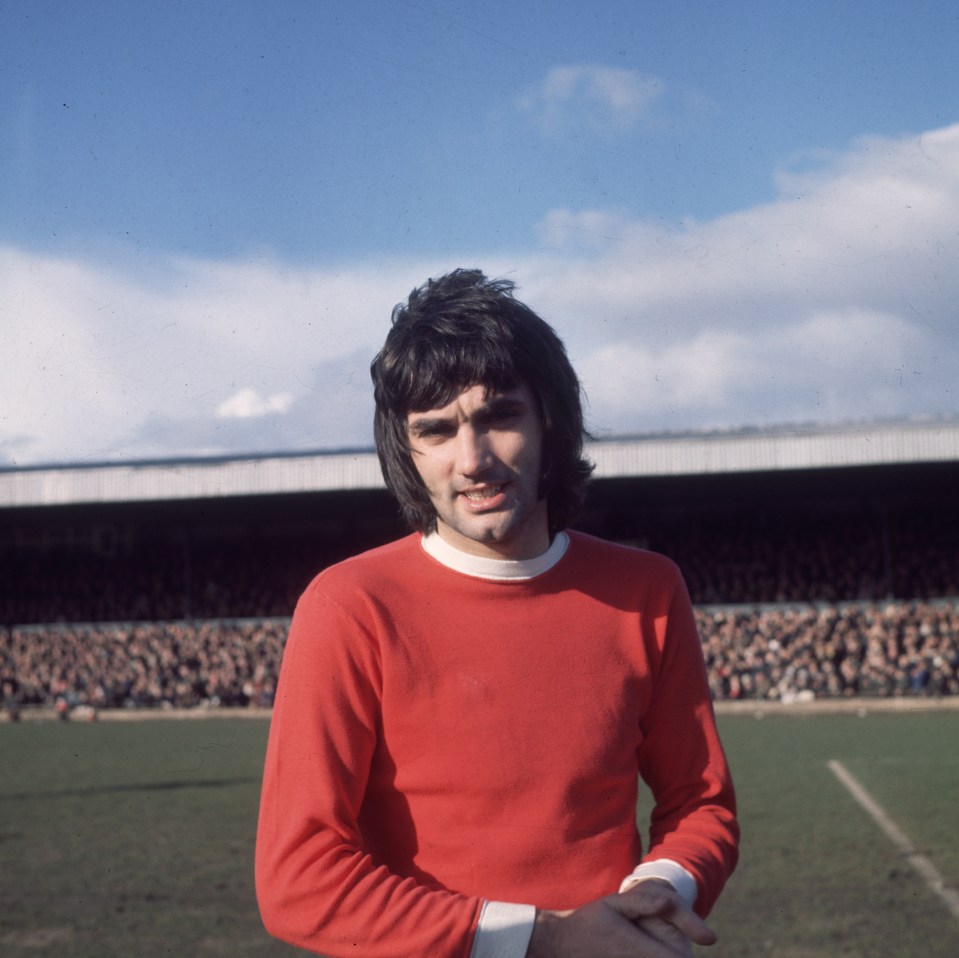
(823, 563)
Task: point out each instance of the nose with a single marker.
(473, 453)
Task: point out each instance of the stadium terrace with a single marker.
(823, 562)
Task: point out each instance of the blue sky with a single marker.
(735, 214)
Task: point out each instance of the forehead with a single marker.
(476, 398)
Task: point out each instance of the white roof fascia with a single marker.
(766, 450)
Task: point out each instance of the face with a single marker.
(480, 459)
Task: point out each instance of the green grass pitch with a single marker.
(136, 838)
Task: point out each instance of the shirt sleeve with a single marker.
(670, 871)
(317, 887)
(681, 759)
(504, 930)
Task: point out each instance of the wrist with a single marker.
(666, 870)
(546, 931)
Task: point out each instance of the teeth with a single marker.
(486, 493)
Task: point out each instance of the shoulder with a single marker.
(365, 589)
(631, 579)
(592, 552)
(384, 564)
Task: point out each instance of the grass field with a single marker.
(136, 838)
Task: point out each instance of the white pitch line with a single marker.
(929, 873)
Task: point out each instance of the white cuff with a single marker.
(504, 930)
(668, 870)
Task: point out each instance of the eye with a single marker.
(432, 432)
(503, 415)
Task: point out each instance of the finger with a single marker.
(663, 931)
(691, 925)
(661, 942)
(651, 899)
(635, 940)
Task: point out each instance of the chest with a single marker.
(516, 683)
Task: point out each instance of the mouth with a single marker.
(484, 493)
(489, 497)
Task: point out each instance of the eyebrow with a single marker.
(425, 424)
(497, 405)
(501, 404)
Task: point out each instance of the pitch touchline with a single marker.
(929, 873)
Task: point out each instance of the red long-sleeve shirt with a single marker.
(440, 739)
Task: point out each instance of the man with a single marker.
(462, 715)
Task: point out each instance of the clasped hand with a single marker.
(649, 920)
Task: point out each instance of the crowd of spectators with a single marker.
(783, 654)
(821, 559)
(757, 560)
(157, 582)
(142, 665)
(788, 609)
(794, 654)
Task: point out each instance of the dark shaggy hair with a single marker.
(464, 330)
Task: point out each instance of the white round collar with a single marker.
(497, 569)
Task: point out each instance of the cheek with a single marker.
(518, 449)
(431, 472)
(531, 455)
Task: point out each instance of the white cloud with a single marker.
(596, 97)
(834, 302)
(104, 361)
(249, 404)
(828, 366)
(704, 371)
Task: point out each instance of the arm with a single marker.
(317, 886)
(681, 759)
(694, 834)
